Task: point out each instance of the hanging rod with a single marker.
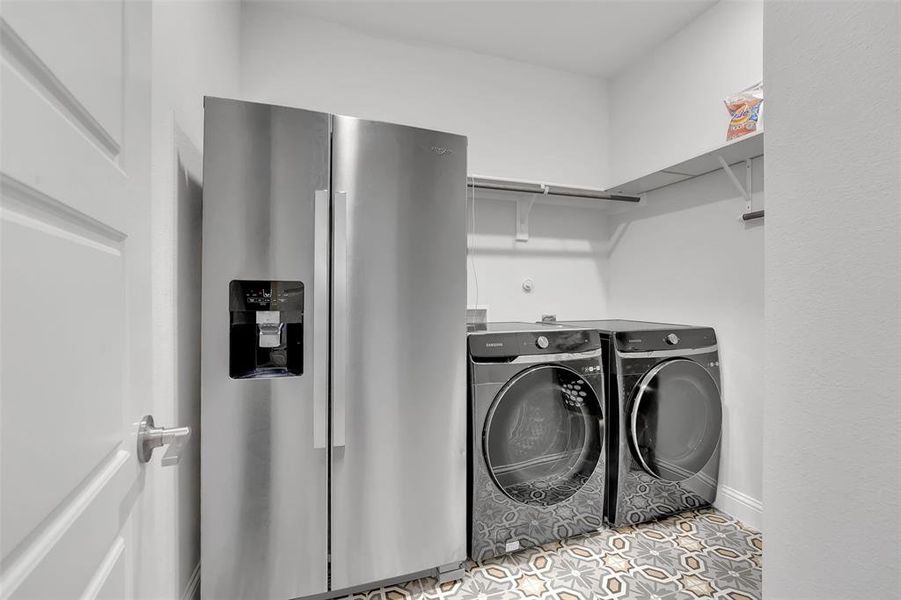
(481, 183)
(750, 216)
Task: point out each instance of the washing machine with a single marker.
(664, 418)
(536, 431)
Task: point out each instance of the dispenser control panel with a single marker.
(266, 329)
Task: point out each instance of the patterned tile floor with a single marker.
(697, 554)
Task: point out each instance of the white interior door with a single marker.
(76, 516)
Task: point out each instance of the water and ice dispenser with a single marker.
(266, 329)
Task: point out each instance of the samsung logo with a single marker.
(634, 341)
(441, 150)
(494, 345)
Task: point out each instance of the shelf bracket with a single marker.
(744, 190)
(523, 210)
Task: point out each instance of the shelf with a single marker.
(545, 189)
(621, 197)
(528, 193)
(736, 151)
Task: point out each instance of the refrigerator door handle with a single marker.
(320, 317)
(339, 320)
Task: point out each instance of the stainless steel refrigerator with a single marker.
(333, 369)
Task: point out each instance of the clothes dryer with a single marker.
(664, 417)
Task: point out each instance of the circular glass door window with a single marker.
(676, 419)
(543, 435)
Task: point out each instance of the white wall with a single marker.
(668, 106)
(832, 421)
(523, 121)
(684, 256)
(562, 258)
(195, 53)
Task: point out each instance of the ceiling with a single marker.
(596, 38)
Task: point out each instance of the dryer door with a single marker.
(676, 419)
(543, 435)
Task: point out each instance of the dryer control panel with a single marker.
(509, 345)
(665, 339)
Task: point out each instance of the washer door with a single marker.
(543, 435)
(676, 419)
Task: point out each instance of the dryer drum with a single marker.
(543, 435)
(676, 419)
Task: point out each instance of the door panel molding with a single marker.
(26, 200)
(39, 144)
(46, 536)
(63, 305)
(19, 54)
(105, 576)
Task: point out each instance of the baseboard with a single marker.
(746, 509)
(193, 584)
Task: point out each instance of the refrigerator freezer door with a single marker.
(264, 494)
(399, 380)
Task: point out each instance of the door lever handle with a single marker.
(151, 437)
